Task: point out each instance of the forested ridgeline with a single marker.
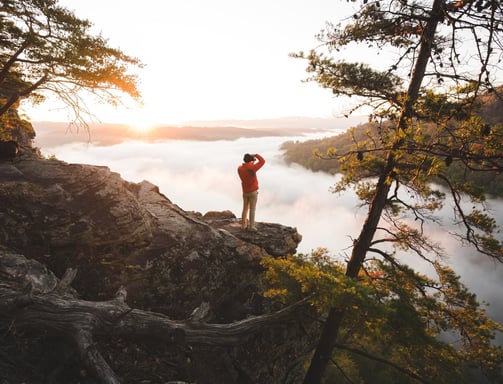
(316, 154)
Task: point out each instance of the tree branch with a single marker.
(383, 361)
(81, 320)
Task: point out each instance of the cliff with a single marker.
(128, 237)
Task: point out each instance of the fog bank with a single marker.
(201, 176)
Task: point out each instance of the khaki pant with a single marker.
(249, 206)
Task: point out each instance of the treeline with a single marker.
(313, 154)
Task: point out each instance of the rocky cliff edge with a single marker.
(129, 236)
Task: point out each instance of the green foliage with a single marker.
(450, 153)
(12, 127)
(398, 324)
(314, 276)
(46, 48)
(462, 152)
(426, 119)
(346, 78)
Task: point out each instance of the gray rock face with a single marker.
(120, 234)
(125, 234)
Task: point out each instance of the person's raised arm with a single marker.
(260, 162)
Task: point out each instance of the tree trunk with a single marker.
(330, 330)
(33, 299)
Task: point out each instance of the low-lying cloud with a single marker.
(201, 176)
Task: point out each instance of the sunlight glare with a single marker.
(141, 127)
(141, 121)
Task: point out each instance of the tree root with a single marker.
(55, 310)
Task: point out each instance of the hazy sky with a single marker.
(214, 59)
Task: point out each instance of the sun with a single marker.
(141, 127)
(141, 122)
(148, 118)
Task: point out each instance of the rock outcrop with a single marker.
(122, 235)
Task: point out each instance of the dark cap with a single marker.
(247, 158)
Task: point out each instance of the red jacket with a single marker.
(248, 174)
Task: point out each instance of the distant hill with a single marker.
(302, 153)
(50, 134)
(292, 122)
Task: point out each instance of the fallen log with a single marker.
(32, 298)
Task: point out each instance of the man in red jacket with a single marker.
(248, 174)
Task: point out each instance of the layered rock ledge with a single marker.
(126, 236)
(129, 234)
